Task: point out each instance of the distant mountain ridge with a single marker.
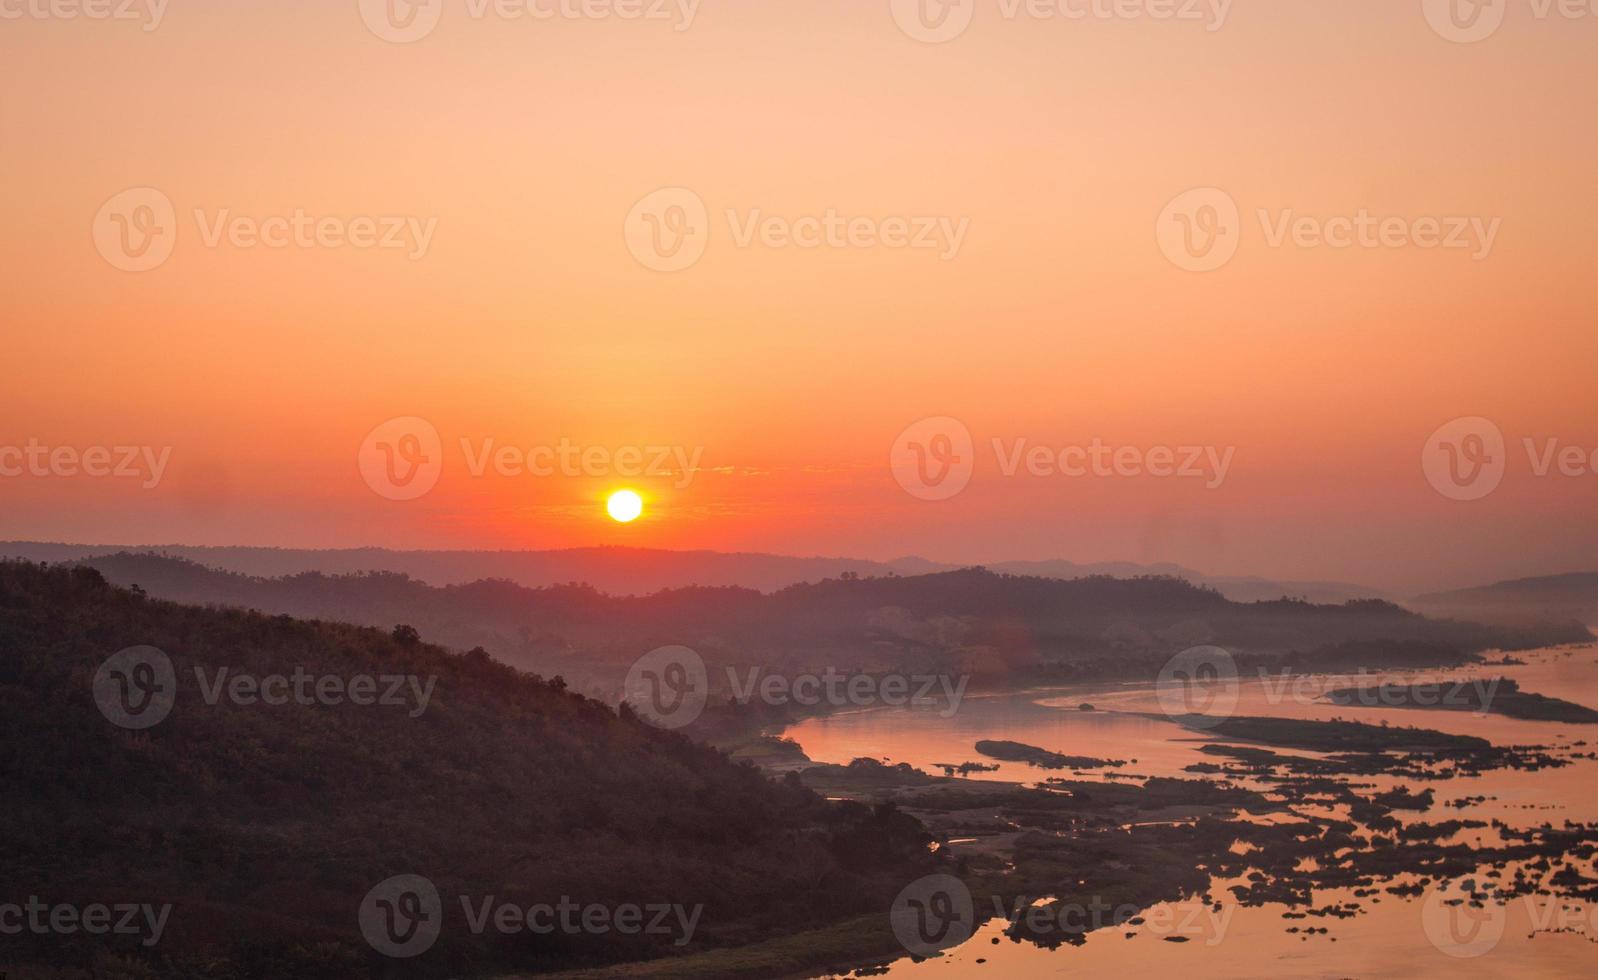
(641, 571)
(1544, 598)
(1000, 627)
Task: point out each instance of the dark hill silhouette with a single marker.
(265, 826)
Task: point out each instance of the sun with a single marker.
(625, 506)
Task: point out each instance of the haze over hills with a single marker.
(1544, 598)
(1008, 629)
(641, 571)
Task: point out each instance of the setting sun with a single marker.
(625, 506)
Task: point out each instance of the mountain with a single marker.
(1547, 598)
(1001, 628)
(619, 571)
(1236, 588)
(265, 826)
(641, 571)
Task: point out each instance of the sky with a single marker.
(812, 277)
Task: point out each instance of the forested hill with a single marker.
(972, 621)
(264, 826)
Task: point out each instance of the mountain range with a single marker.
(1003, 630)
(641, 571)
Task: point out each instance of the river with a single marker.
(1391, 936)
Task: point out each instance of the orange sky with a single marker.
(1056, 143)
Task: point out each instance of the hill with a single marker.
(643, 571)
(266, 826)
(1002, 628)
(1547, 598)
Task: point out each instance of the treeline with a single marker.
(971, 621)
(265, 826)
